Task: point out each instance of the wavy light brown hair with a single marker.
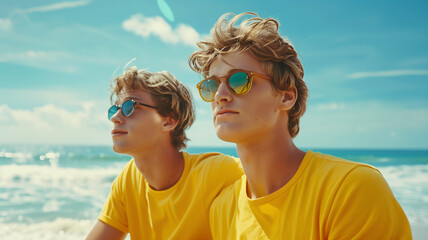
(261, 38)
(171, 97)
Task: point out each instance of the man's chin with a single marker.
(119, 148)
(226, 136)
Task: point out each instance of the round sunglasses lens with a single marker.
(208, 89)
(127, 108)
(239, 82)
(111, 111)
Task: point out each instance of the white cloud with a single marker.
(5, 24)
(187, 34)
(52, 124)
(157, 26)
(30, 96)
(54, 60)
(53, 7)
(393, 73)
(40, 59)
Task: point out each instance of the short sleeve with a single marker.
(114, 212)
(364, 207)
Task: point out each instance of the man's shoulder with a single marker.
(326, 163)
(330, 173)
(129, 168)
(229, 196)
(198, 157)
(363, 191)
(129, 174)
(211, 160)
(342, 177)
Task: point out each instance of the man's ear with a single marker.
(169, 123)
(288, 98)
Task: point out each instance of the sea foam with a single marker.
(58, 229)
(31, 193)
(409, 184)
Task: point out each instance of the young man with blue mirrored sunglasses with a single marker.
(162, 193)
(254, 82)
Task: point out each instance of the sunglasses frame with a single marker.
(250, 76)
(120, 107)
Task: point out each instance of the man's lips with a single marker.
(117, 132)
(225, 112)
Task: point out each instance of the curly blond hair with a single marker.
(171, 98)
(261, 38)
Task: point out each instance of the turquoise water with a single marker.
(57, 192)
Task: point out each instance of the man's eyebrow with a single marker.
(228, 72)
(132, 98)
(126, 99)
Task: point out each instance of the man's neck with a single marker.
(269, 164)
(162, 167)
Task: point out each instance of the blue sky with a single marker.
(366, 65)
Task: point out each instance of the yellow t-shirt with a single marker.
(180, 212)
(327, 198)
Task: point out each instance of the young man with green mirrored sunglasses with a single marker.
(254, 82)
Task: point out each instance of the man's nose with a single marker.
(223, 93)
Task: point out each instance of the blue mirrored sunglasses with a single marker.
(127, 108)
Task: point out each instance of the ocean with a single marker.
(57, 192)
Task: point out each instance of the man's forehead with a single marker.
(136, 94)
(219, 65)
(223, 64)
